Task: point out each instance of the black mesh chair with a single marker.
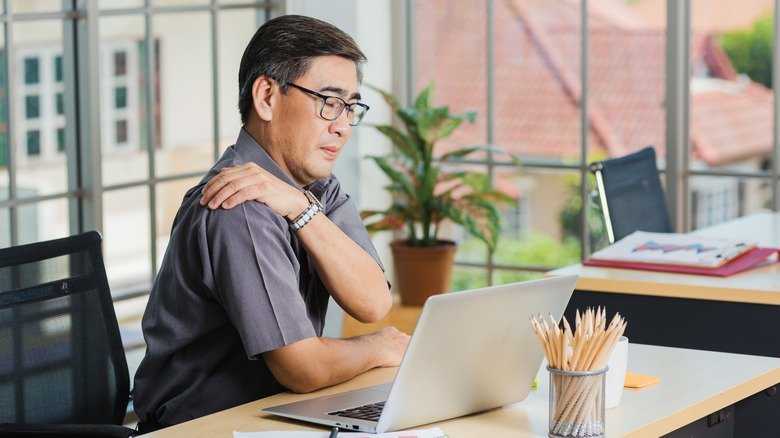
(62, 367)
(631, 196)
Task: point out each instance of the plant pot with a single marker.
(422, 271)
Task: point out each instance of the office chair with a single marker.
(630, 194)
(62, 366)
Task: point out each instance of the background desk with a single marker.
(738, 314)
(693, 385)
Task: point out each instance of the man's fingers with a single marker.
(248, 185)
(240, 196)
(219, 183)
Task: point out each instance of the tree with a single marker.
(750, 50)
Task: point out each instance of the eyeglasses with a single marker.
(333, 106)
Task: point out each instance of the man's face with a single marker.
(305, 145)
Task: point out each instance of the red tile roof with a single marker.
(537, 82)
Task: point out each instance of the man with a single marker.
(237, 310)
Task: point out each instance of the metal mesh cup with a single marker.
(576, 403)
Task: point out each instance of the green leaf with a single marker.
(402, 141)
(424, 100)
(389, 98)
(394, 175)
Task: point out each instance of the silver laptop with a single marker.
(471, 351)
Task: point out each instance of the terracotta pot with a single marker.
(422, 271)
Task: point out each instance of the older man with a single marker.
(262, 242)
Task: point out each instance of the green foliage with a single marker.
(424, 193)
(750, 50)
(535, 249)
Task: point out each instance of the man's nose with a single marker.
(341, 124)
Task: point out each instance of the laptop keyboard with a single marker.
(366, 412)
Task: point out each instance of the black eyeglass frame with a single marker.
(348, 106)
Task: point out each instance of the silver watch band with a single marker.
(315, 206)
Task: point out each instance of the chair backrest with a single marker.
(61, 356)
(631, 195)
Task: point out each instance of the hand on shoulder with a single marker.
(250, 182)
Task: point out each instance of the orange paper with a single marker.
(640, 380)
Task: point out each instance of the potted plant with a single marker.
(427, 191)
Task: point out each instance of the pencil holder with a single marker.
(576, 403)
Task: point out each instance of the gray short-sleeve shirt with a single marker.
(232, 285)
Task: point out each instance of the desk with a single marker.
(693, 385)
(710, 313)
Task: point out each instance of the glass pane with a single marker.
(23, 6)
(450, 52)
(186, 130)
(501, 276)
(44, 220)
(126, 247)
(236, 28)
(180, 2)
(123, 113)
(31, 70)
(60, 103)
(34, 143)
(40, 161)
(464, 278)
(58, 68)
(731, 96)
(120, 63)
(120, 4)
(169, 197)
(715, 200)
(5, 228)
(120, 97)
(32, 106)
(60, 139)
(542, 228)
(627, 80)
(537, 79)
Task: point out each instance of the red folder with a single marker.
(742, 263)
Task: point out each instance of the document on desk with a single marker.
(674, 249)
(419, 433)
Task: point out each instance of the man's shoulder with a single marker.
(244, 218)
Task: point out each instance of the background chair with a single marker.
(631, 195)
(62, 366)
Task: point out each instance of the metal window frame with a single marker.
(678, 145)
(80, 41)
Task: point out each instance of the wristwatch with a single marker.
(315, 206)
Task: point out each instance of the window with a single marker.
(41, 104)
(33, 143)
(31, 71)
(58, 68)
(120, 97)
(122, 105)
(120, 63)
(134, 112)
(526, 87)
(121, 132)
(32, 106)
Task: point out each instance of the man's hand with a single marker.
(234, 185)
(391, 346)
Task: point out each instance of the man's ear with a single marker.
(263, 96)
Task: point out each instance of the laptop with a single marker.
(471, 351)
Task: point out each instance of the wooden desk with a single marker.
(710, 313)
(693, 385)
(404, 318)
